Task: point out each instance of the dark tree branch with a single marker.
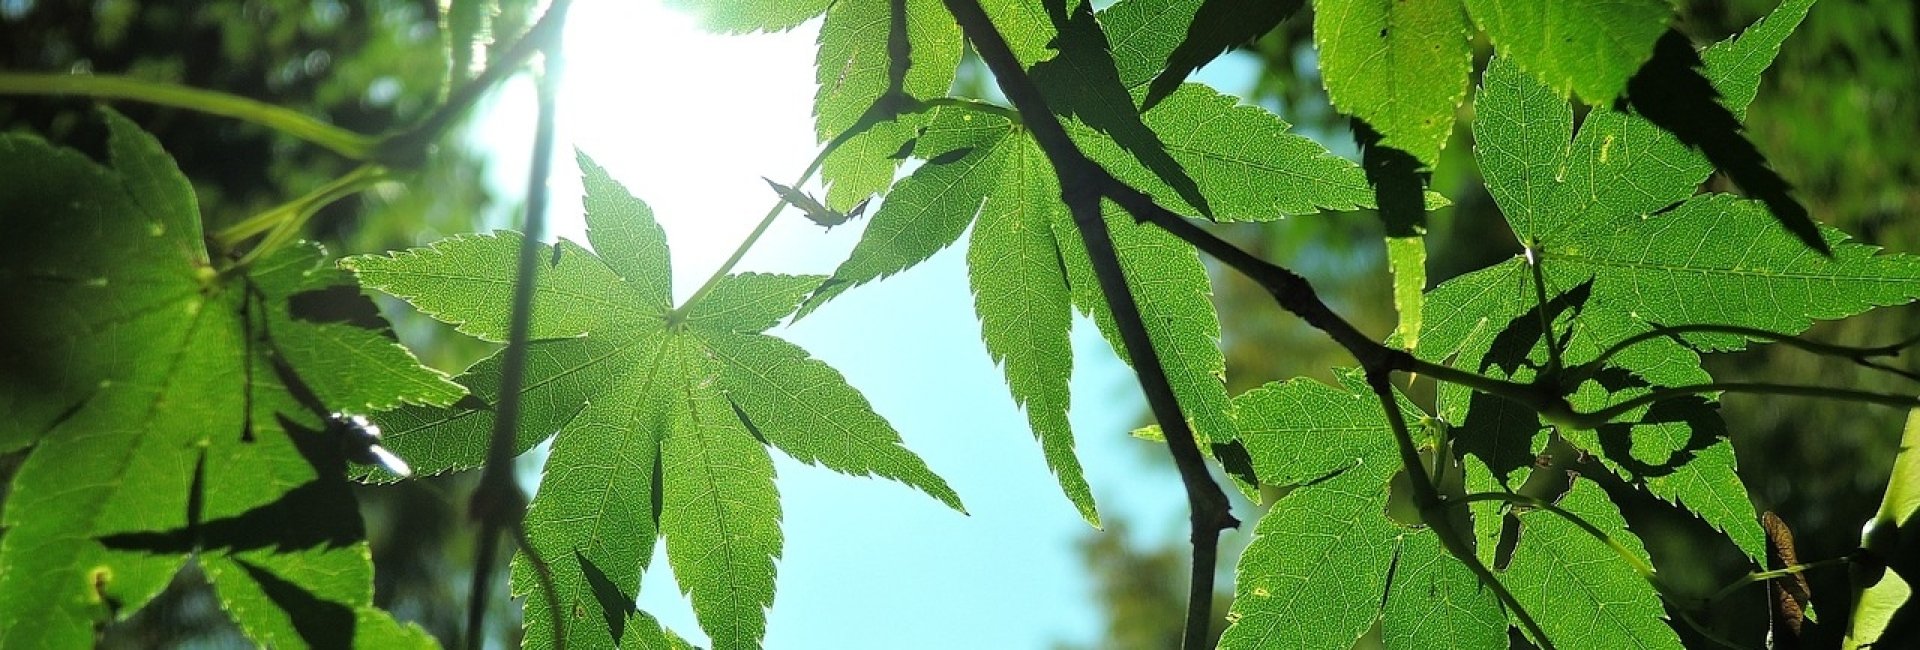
(1082, 183)
(498, 504)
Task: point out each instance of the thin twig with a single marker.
(1763, 576)
(498, 502)
(1662, 393)
(1433, 509)
(1296, 295)
(1860, 355)
(1081, 188)
(282, 222)
(890, 105)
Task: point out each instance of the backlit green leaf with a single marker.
(1436, 602)
(1245, 159)
(644, 632)
(804, 407)
(1401, 66)
(1314, 574)
(751, 302)
(467, 281)
(1020, 292)
(1577, 589)
(853, 71)
(718, 508)
(1588, 47)
(742, 16)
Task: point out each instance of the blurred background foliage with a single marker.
(367, 65)
(1839, 115)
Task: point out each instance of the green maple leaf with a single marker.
(1581, 593)
(644, 632)
(651, 406)
(177, 409)
(743, 16)
(1401, 66)
(1624, 245)
(854, 70)
(1589, 47)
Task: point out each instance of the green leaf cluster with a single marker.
(175, 404)
(1619, 242)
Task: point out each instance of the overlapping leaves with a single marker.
(1403, 66)
(1327, 561)
(657, 416)
(175, 409)
(1026, 262)
(1624, 245)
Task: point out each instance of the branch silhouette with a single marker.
(498, 503)
(1082, 183)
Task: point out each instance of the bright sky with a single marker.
(690, 122)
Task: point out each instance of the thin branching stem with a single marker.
(890, 105)
(1546, 320)
(1426, 497)
(1763, 576)
(1861, 355)
(740, 252)
(282, 222)
(1081, 187)
(114, 87)
(498, 502)
(410, 145)
(1662, 393)
(1296, 295)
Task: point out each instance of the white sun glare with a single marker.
(689, 121)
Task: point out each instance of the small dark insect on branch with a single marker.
(815, 211)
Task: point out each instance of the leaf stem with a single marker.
(1763, 576)
(346, 143)
(1082, 184)
(1432, 509)
(890, 105)
(282, 221)
(779, 205)
(1546, 321)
